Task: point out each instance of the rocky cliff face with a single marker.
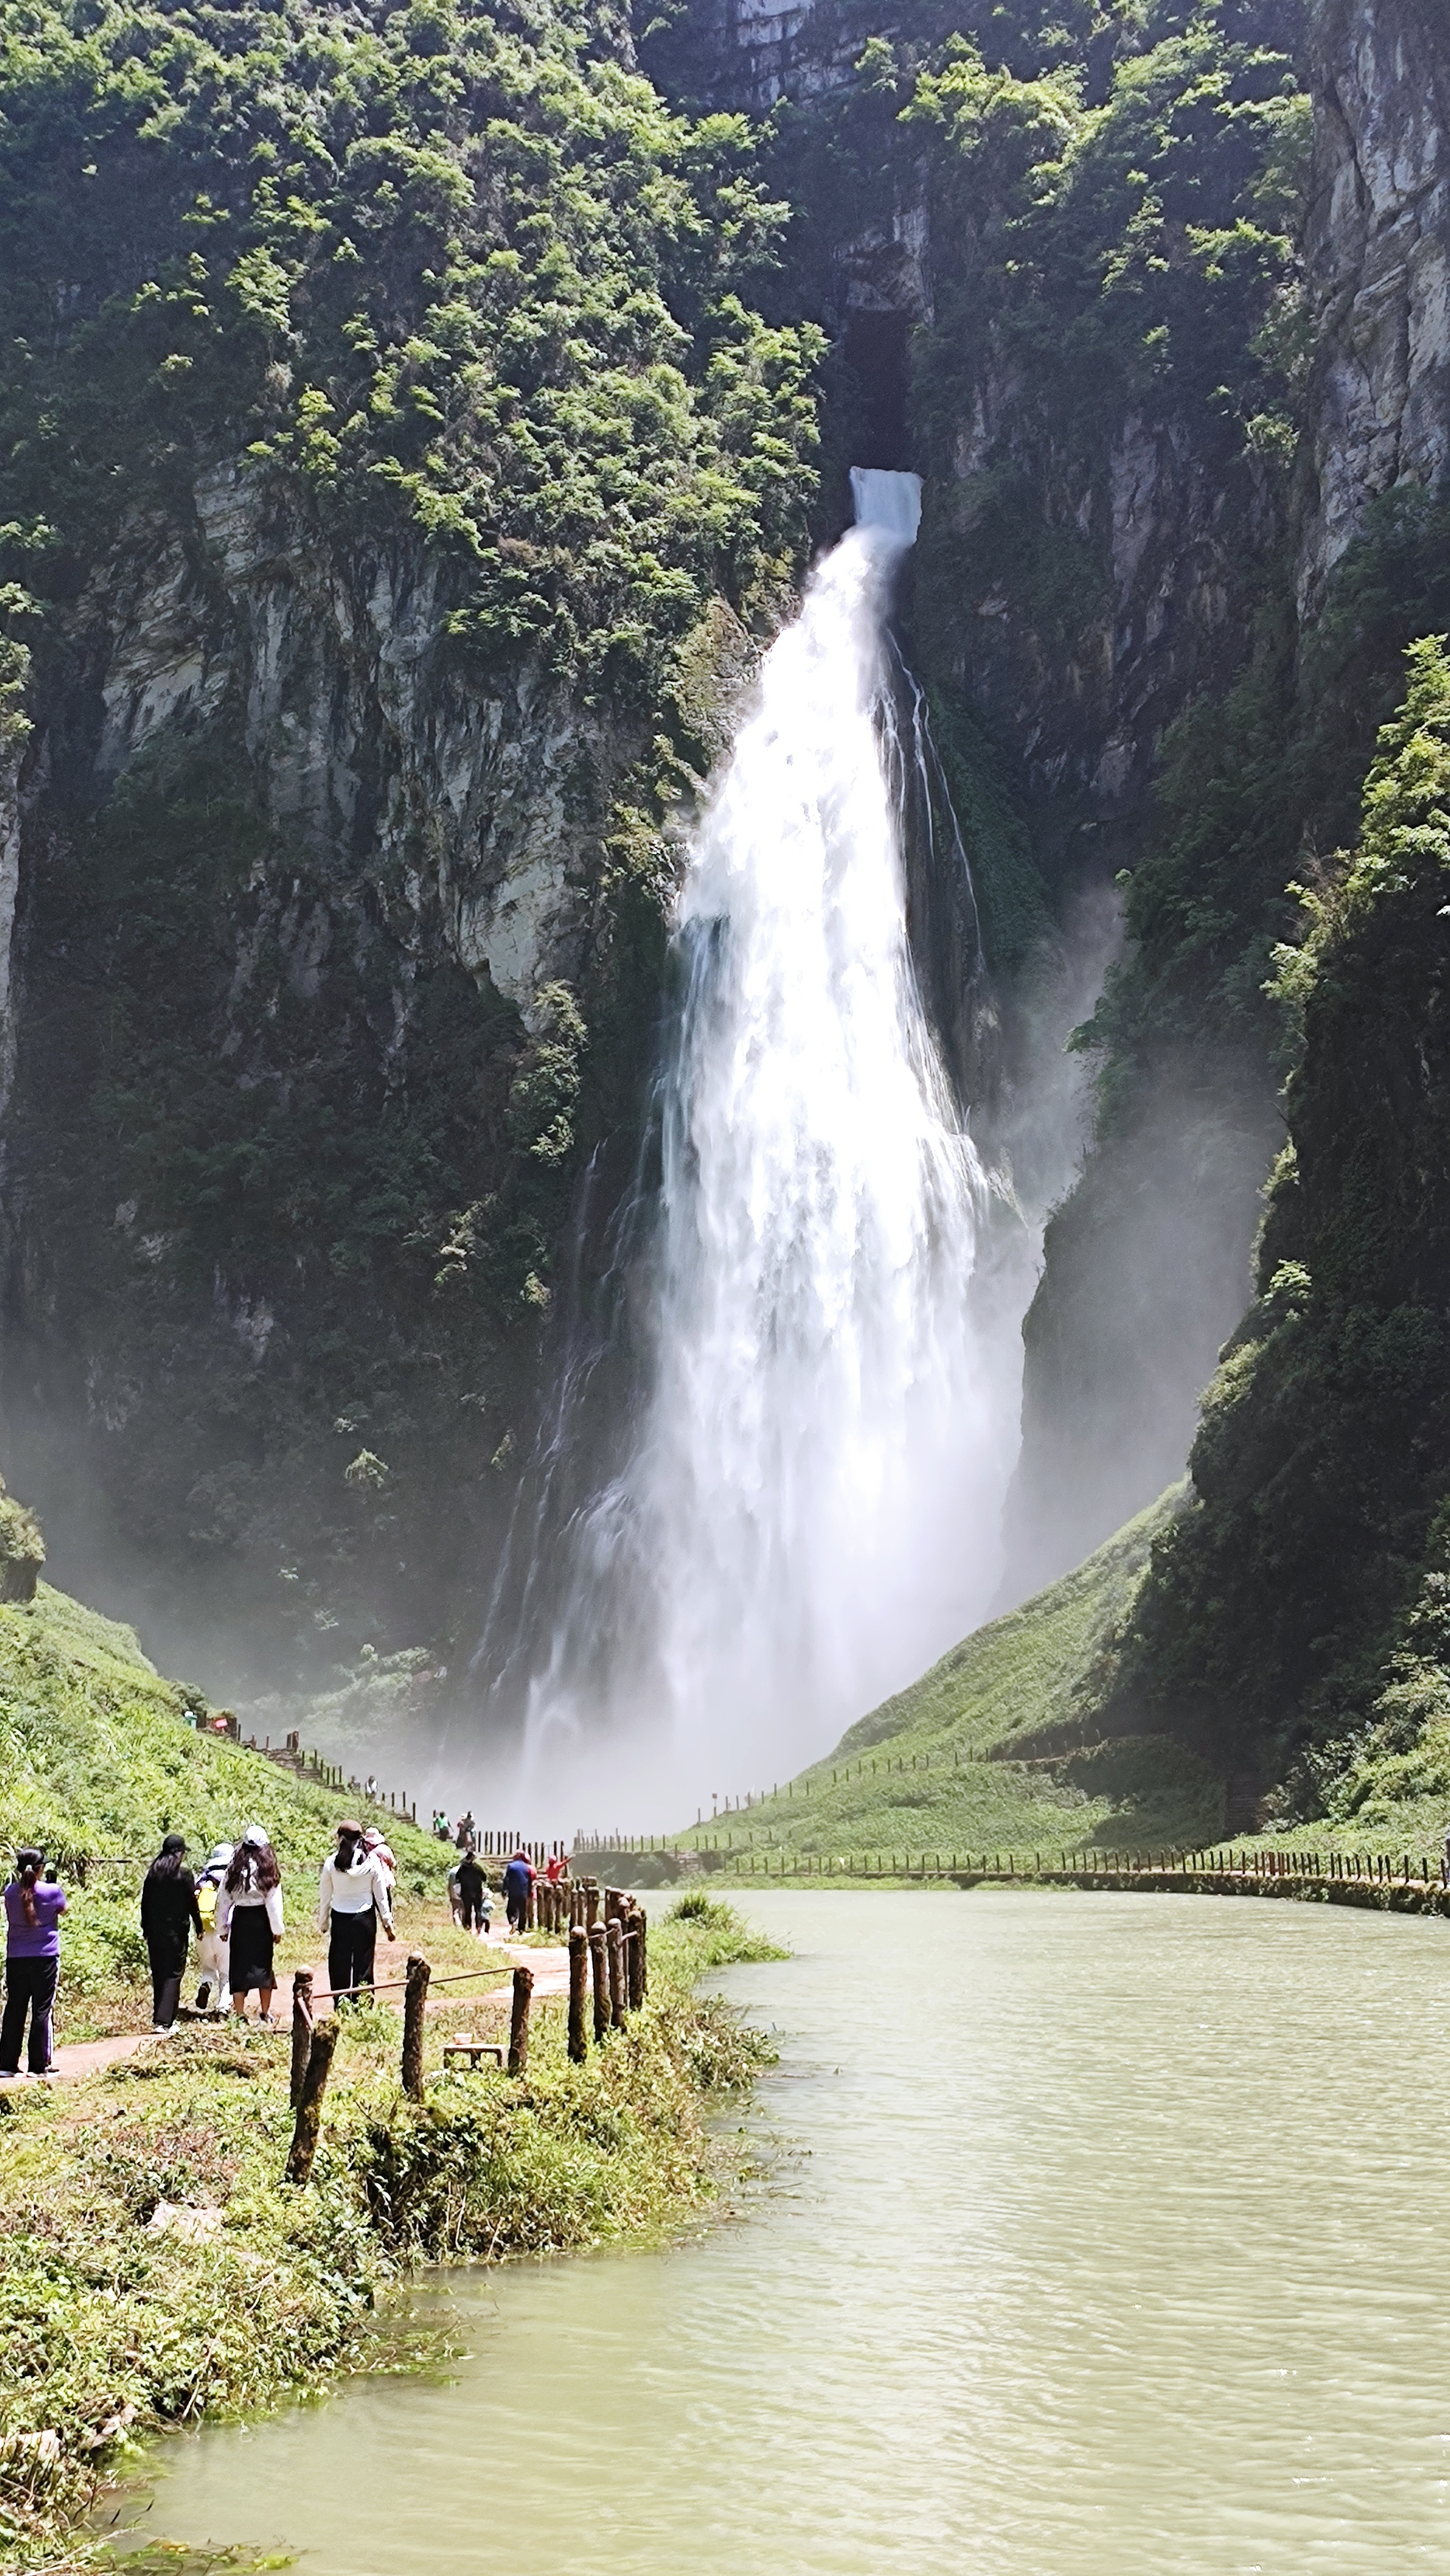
(1377, 260)
(1147, 1263)
(393, 473)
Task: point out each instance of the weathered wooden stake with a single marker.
(301, 2029)
(599, 1967)
(614, 1934)
(519, 2026)
(415, 2000)
(578, 1993)
(642, 1919)
(591, 1903)
(309, 2107)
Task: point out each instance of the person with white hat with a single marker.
(249, 1910)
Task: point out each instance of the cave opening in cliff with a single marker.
(875, 352)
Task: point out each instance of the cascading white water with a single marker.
(809, 1513)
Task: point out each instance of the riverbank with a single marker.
(1099, 2235)
(156, 2271)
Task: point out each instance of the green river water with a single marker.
(1104, 2236)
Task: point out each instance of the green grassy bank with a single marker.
(988, 1751)
(156, 2270)
(153, 2267)
(96, 1763)
(1003, 1749)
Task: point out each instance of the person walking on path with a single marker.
(466, 1837)
(384, 1855)
(353, 1899)
(249, 1915)
(211, 1957)
(33, 1910)
(518, 1879)
(169, 1916)
(475, 1902)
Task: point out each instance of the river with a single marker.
(1105, 2236)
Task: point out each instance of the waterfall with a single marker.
(808, 1513)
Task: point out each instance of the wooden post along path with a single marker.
(309, 2108)
(519, 2026)
(578, 1993)
(301, 2030)
(599, 1965)
(415, 2004)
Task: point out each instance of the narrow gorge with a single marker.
(422, 429)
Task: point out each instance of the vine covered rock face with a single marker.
(1295, 1621)
(391, 464)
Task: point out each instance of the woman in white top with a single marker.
(249, 1916)
(352, 1901)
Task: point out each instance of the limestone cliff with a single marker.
(393, 473)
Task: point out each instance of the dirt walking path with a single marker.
(551, 1977)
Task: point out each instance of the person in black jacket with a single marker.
(169, 1916)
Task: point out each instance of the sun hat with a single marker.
(350, 1825)
(258, 1837)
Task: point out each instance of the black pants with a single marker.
(165, 1996)
(30, 1986)
(474, 1918)
(350, 1951)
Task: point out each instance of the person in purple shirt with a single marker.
(32, 1963)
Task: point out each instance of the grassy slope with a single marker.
(933, 1769)
(96, 1765)
(156, 2270)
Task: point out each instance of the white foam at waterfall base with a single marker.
(809, 1514)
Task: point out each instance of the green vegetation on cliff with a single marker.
(390, 456)
(1294, 1622)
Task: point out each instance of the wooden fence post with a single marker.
(599, 1967)
(578, 1992)
(415, 2001)
(301, 2030)
(614, 1934)
(309, 2107)
(519, 2026)
(642, 1922)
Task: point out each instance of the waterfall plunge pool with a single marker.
(1103, 2238)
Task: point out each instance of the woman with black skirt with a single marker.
(169, 1916)
(353, 1900)
(249, 1910)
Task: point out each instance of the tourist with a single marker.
(475, 1896)
(442, 1829)
(518, 1880)
(467, 1834)
(32, 1962)
(353, 1898)
(211, 1956)
(383, 1854)
(249, 1917)
(169, 1916)
(555, 1868)
(455, 1900)
(370, 1786)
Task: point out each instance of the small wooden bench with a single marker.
(473, 2050)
